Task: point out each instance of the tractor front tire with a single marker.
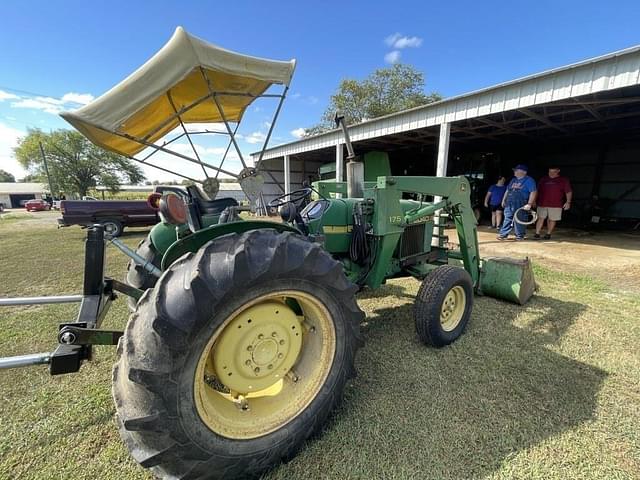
(193, 382)
(137, 276)
(443, 305)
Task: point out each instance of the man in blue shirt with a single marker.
(521, 193)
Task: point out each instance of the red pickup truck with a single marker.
(115, 215)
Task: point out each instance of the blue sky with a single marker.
(69, 51)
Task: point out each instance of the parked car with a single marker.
(115, 215)
(37, 205)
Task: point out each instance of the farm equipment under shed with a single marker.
(244, 333)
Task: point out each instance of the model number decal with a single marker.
(394, 219)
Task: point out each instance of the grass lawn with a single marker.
(550, 390)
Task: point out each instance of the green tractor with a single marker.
(244, 332)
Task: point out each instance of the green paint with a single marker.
(328, 168)
(193, 242)
(387, 216)
(163, 235)
(376, 164)
(507, 278)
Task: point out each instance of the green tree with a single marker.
(32, 178)
(75, 164)
(385, 91)
(6, 177)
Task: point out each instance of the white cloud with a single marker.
(8, 141)
(255, 137)
(392, 57)
(7, 96)
(46, 104)
(53, 105)
(399, 41)
(81, 98)
(207, 154)
(309, 99)
(298, 132)
(200, 127)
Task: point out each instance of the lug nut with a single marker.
(249, 348)
(274, 334)
(281, 342)
(257, 369)
(260, 337)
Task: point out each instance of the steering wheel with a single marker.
(291, 197)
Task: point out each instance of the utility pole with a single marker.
(46, 169)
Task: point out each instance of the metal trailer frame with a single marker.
(75, 339)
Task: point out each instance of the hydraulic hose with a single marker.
(534, 216)
(359, 248)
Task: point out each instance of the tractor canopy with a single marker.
(187, 81)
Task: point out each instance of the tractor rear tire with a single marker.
(137, 276)
(164, 383)
(443, 305)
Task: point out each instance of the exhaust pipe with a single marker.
(355, 169)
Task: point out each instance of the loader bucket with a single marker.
(507, 279)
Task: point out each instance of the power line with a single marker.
(34, 94)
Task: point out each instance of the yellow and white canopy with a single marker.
(180, 77)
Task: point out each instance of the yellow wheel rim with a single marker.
(264, 365)
(453, 308)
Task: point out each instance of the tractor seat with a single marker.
(210, 207)
(216, 206)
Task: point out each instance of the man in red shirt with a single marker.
(554, 195)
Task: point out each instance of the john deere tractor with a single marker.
(244, 332)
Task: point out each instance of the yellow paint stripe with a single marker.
(337, 228)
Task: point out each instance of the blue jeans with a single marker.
(508, 223)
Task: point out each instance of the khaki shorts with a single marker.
(552, 213)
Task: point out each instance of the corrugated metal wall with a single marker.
(613, 71)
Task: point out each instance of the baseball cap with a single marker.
(521, 166)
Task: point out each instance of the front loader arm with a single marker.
(455, 200)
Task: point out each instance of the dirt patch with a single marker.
(612, 257)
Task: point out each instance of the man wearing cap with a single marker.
(555, 195)
(521, 193)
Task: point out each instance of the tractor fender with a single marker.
(163, 235)
(192, 243)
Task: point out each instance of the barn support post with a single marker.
(441, 171)
(287, 174)
(443, 150)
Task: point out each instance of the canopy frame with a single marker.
(231, 132)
